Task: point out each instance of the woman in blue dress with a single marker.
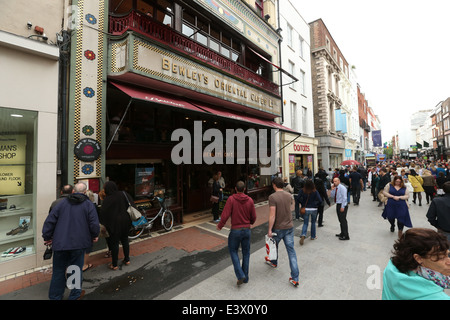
(397, 205)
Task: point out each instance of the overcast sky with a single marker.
(400, 48)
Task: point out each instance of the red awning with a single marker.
(245, 118)
(151, 96)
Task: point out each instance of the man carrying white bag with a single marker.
(281, 227)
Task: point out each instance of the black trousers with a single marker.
(356, 193)
(320, 214)
(342, 218)
(114, 243)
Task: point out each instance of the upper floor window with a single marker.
(290, 33)
(160, 10)
(300, 46)
(259, 6)
(199, 29)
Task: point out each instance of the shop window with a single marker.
(17, 173)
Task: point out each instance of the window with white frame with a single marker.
(294, 117)
(302, 82)
(292, 72)
(290, 33)
(300, 46)
(304, 119)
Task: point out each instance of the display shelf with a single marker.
(15, 212)
(4, 239)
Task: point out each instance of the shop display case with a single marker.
(16, 226)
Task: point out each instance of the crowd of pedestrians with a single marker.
(394, 187)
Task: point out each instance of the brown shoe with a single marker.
(81, 295)
(302, 240)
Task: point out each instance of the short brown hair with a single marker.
(278, 182)
(421, 241)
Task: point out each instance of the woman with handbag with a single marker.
(310, 200)
(416, 182)
(215, 195)
(114, 216)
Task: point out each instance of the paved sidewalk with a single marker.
(329, 268)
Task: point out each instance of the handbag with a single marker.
(214, 199)
(134, 213)
(48, 253)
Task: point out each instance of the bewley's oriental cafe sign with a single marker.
(157, 63)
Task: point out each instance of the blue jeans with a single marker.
(236, 238)
(287, 235)
(313, 215)
(61, 261)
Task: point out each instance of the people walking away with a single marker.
(364, 175)
(439, 212)
(419, 268)
(215, 198)
(70, 228)
(374, 184)
(397, 205)
(297, 183)
(440, 180)
(281, 227)
(320, 187)
(384, 180)
(241, 209)
(65, 191)
(416, 182)
(429, 185)
(356, 182)
(114, 216)
(87, 265)
(287, 186)
(310, 200)
(339, 193)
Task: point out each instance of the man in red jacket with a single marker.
(241, 208)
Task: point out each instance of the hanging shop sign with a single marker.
(88, 150)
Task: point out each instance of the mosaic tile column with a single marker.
(87, 92)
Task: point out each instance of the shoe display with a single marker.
(18, 230)
(12, 252)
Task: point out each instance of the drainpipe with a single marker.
(64, 57)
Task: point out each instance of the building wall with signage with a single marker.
(28, 148)
(299, 153)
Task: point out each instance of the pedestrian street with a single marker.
(330, 269)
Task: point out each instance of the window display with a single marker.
(17, 142)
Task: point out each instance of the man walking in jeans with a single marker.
(339, 193)
(241, 208)
(280, 223)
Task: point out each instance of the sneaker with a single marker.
(270, 262)
(294, 283)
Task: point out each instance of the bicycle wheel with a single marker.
(135, 232)
(167, 220)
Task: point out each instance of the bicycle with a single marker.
(143, 223)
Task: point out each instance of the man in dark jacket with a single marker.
(297, 183)
(241, 208)
(385, 178)
(70, 228)
(439, 212)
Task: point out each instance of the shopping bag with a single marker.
(271, 248)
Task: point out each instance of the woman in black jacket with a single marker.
(320, 187)
(115, 218)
